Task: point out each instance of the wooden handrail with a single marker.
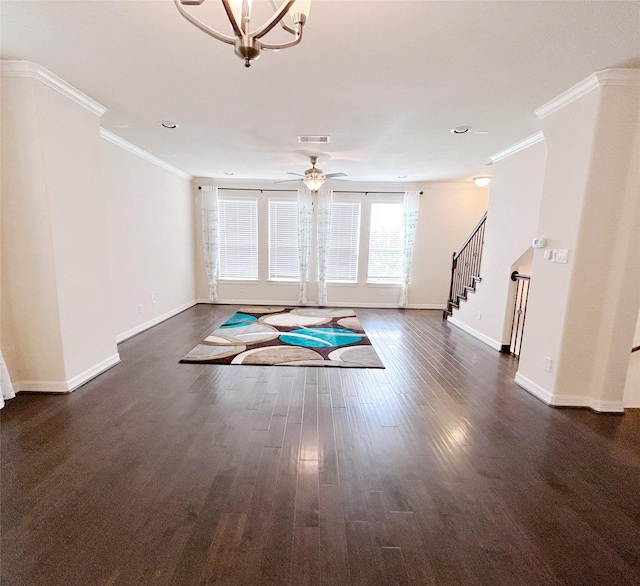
(516, 275)
(473, 233)
(635, 348)
(465, 267)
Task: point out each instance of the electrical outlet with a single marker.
(547, 363)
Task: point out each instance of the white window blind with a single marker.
(238, 223)
(284, 263)
(342, 257)
(385, 243)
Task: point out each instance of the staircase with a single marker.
(465, 268)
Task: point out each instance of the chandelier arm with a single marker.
(232, 19)
(283, 45)
(203, 27)
(274, 20)
(283, 24)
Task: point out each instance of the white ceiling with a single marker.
(386, 80)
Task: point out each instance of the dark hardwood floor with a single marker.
(437, 470)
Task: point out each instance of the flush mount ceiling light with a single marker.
(482, 181)
(248, 45)
(460, 129)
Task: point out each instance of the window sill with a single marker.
(239, 281)
(282, 282)
(342, 283)
(380, 284)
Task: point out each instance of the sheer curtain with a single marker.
(410, 221)
(323, 226)
(305, 213)
(6, 388)
(211, 238)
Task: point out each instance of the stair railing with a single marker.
(519, 311)
(465, 267)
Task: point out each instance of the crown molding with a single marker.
(35, 71)
(627, 77)
(519, 146)
(132, 148)
(615, 77)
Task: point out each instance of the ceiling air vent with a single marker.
(313, 139)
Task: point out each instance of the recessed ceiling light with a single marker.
(228, 172)
(402, 176)
(171, 155)
(482, 132)
(121, 125)
(460, 129)
(169, 124)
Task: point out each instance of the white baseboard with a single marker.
(534, 389)
(67, 386)
(94, 371)
(439, 306)
(156, 320)
(475, 333)
(40, 386)
(567, 400)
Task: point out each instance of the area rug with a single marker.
(281, 336)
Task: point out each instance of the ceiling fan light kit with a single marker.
(249, 45)
(314, 178)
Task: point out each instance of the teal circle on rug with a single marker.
(320, 337)
(238, 320)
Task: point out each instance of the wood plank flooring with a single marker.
(438, 470)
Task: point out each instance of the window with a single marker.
(284, 263)
(385, 243)
(238, 223)
(342, 258)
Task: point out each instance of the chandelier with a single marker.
(248, 45)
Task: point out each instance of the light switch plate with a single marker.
(560, 255)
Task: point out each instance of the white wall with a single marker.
(56, 302)
(448, 212)
(150, 239)
(30, 330)
(632, 387)
(512, 223)
(582, 314)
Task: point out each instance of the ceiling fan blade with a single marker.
(334, 175)
(337, 179)
(298, 174)
(287, 181)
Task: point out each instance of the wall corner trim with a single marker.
(567, 400)
(11, 68)
(534, 389)
(617, 77)
(517, 147)
(62, 387)
(94, 371)
(475, 333)
(132, 148)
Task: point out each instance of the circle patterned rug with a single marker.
(281, 336)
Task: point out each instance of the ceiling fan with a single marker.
(314, 178)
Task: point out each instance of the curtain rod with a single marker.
(294, 190)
